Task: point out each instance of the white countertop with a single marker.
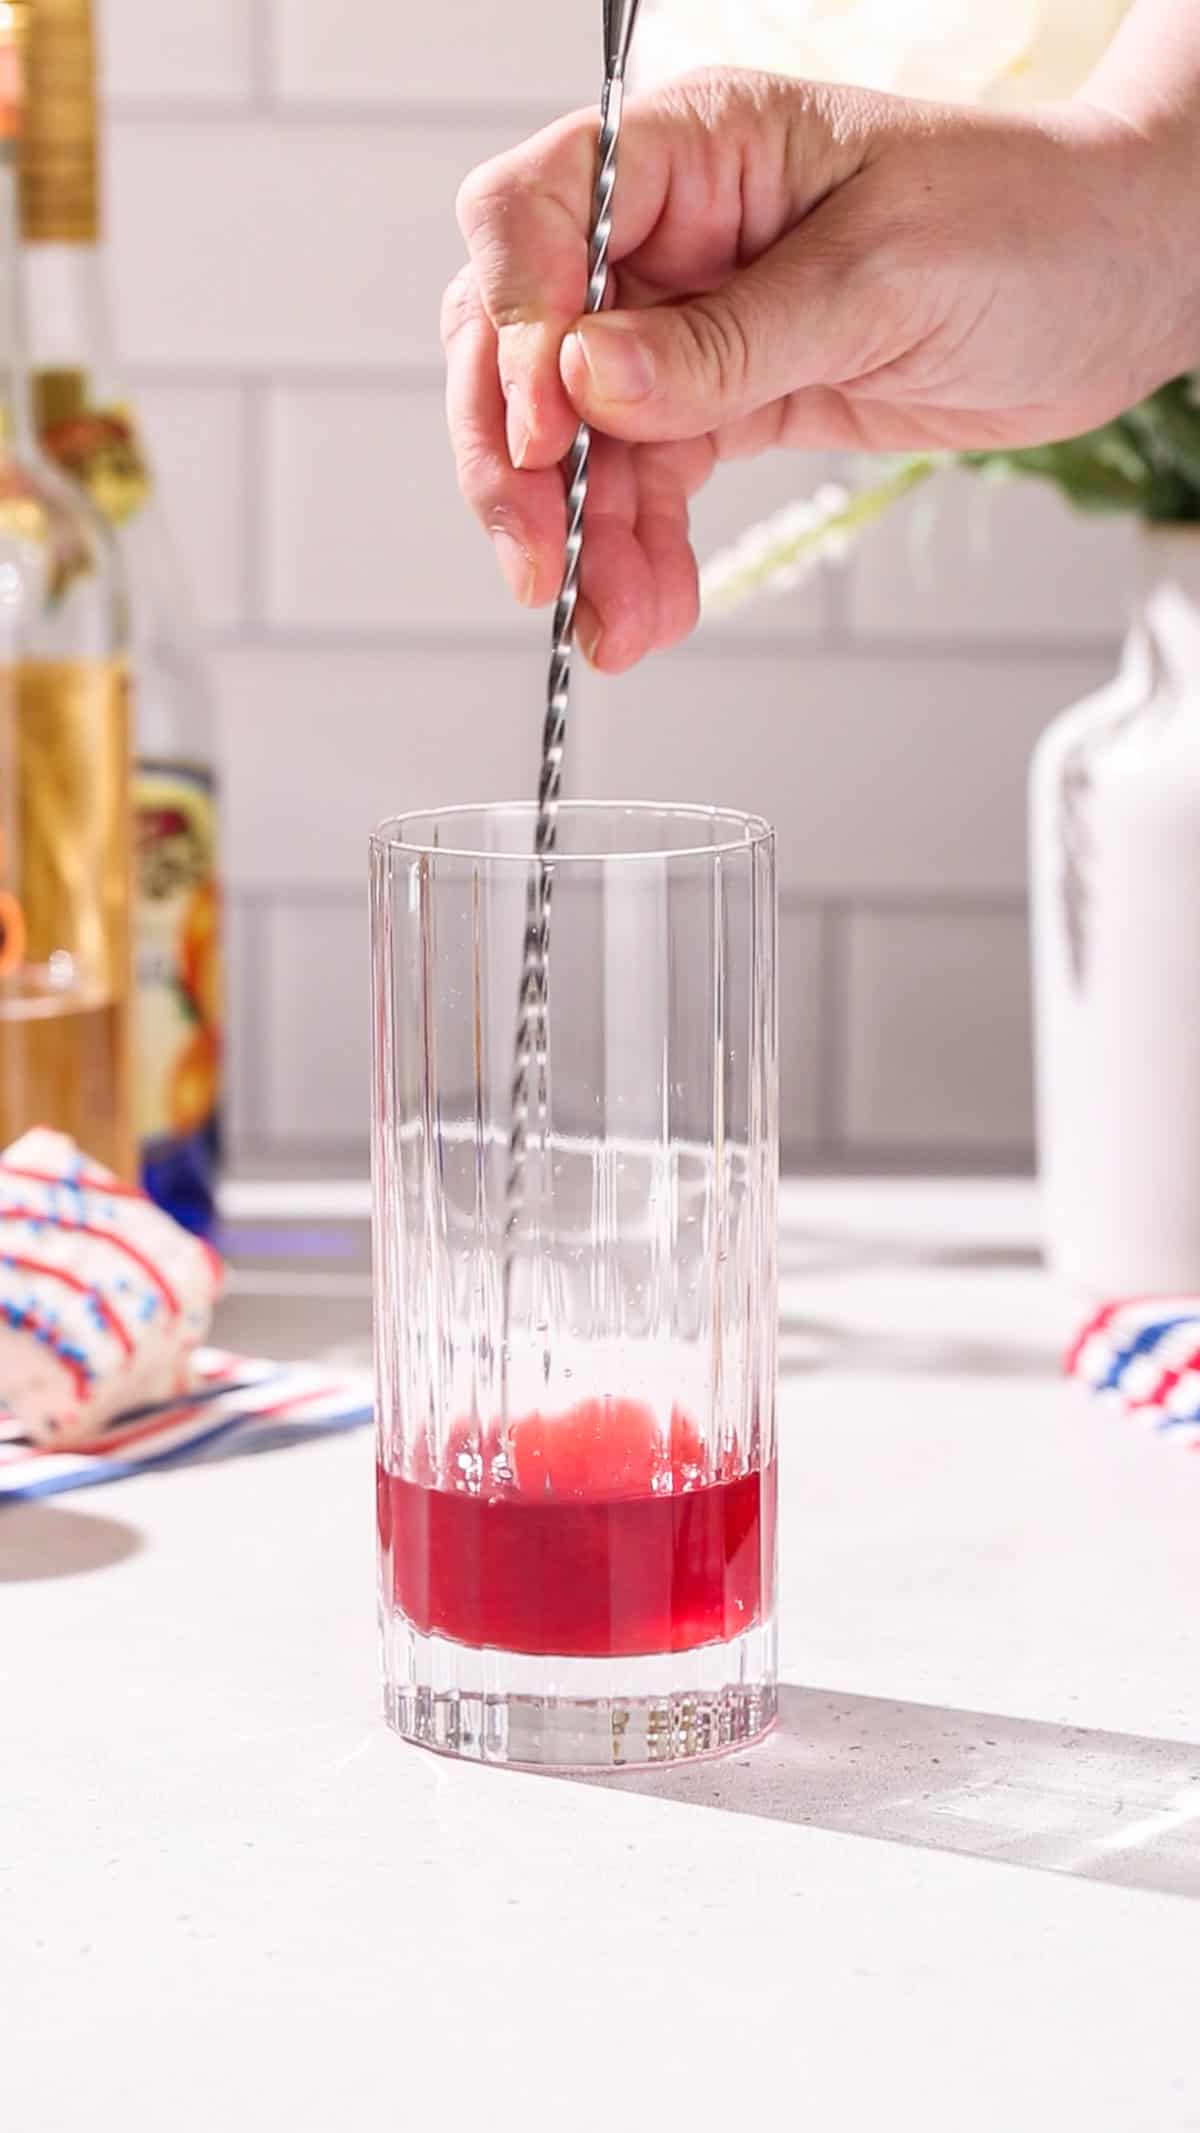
(231, 1902)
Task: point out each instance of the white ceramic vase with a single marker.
(1115, 852)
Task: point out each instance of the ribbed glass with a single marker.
(586, 1578)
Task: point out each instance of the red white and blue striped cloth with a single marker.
(235, 1405)
(1143, 1356)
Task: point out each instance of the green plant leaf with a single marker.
(1169, 425)
(1145, 463)
(1103, 470)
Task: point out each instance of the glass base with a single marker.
(578, 1714)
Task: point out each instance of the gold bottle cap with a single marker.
(59, 180)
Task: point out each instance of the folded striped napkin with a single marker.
(1143, 1355)
(234, 1405)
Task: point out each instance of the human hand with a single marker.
(792, 265)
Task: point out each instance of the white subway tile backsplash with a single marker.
(319, 746)
(395, 546)
(882, 775)
(314, 1068)
(253, 244)
(543, 56)
(196, 439)
(938, 1041)
(365, 525)
(315, 1011)
(197, 53)
(973, 558)
(277, 273)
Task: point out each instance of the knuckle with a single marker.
(704, 94)
(475, 469)
(716, 346)
(476, 189)
(458, 306)
(699, 94)
(483, 195)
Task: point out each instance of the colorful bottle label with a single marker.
(180, 988)
(28, 517)
(99, 447)
(65, 1050)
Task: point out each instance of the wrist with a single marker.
(1144, 169)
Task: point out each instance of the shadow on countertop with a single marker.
(809, 1344)
(1108, 1807)
(41, 1540)
(817, 1252)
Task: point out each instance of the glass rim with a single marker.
(747, 833)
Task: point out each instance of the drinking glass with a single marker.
(577, 1538)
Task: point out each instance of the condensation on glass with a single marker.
(586, 1577)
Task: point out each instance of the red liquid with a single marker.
(569, 1556)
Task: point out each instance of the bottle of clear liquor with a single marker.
(87, 425)
(65, 820)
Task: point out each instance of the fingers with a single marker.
(809, 312)
(618, 605)
(668, 476)
(525, 217)
(523, 512)
(717, 176)
(638, 591)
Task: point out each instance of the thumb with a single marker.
(796, 317)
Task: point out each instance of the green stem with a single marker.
(861, 510)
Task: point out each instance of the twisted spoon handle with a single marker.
(532, 1011)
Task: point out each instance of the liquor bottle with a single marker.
(66, 851)
(88, 427)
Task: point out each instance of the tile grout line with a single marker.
(793, 903)
(839, 626)
(252, 511)
(302, 895)
(264, 106)
(1021, 654)
(250, 1022)
(840, 596)
(837, 634)
(833, 1036)
(883, 903)
(832, 1150)
(369, 376)
(879, 1159)
(261, 59)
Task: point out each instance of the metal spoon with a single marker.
(532, 1033)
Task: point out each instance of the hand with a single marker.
(791, 266)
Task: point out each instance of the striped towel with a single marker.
(1143, 1356)
(235, 1405)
